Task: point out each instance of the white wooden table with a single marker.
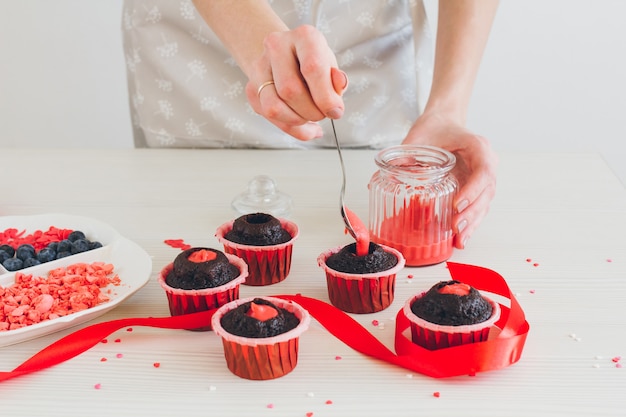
(564, 212)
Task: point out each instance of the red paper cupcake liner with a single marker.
(261, 358)
(433, 336)
(266, 264)
(192, 301)
(361, 293)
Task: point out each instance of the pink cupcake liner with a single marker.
(192, 301)
(261, 358)
(361, 293)
(266, 264)
(434, 336)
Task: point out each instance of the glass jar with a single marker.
(410, 202)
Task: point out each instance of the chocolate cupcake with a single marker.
(376, 260)
(450, 313)
(264, 242)
(361, 284)
(258, 229)
(202, 279)
(198, 268)
(259, 318)
(260, 336)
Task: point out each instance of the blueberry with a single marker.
(63, 254)
(94, 245)
(75, 235)
(13, 264)
(25, 251)
(31, 262)
(8, 249)
(80, 245)
(64, 246)
(46, 255)
(4, 256)
(53, 245)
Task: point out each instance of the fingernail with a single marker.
(462, 205)
(462, 225)
(464, 241)
(335, 113)
(339, 80)
(345, 84)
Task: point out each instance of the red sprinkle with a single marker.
(309, 414)
(337, 358)
(117, 340)
(156, 364)
(375, 322)
(528, 260)
(409, 276)
(617, 359)
(436, 394)
(177, 243)
(39, 239)
(103, 359)
(104, 341)
(535, 264)
(329, 402)
(130, 329)
(119, 355)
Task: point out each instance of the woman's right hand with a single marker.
(307, 86)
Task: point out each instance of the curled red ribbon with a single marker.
(496, 353)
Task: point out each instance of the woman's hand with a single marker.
(307, 85)
(475, 169)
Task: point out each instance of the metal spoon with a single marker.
(343, 186)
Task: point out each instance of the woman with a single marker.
(201, 73)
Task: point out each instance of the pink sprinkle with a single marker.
(270, 405)
(119, 355)
(117, 340)
(338, 358)
(329, 402)
(97, 386)
(103, 359)
(618, 365)
(130, 329)
(617, 359)
(436, 394)
(609, 260)
(409, 276)
(375, 322)
(532, 291)
(156, 364)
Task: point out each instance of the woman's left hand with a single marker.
(475, 169)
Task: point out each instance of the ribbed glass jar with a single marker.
(410, 202)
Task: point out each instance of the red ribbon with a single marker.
(496, 353)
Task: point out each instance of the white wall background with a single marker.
(553, 77)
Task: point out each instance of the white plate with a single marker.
(132, 264)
